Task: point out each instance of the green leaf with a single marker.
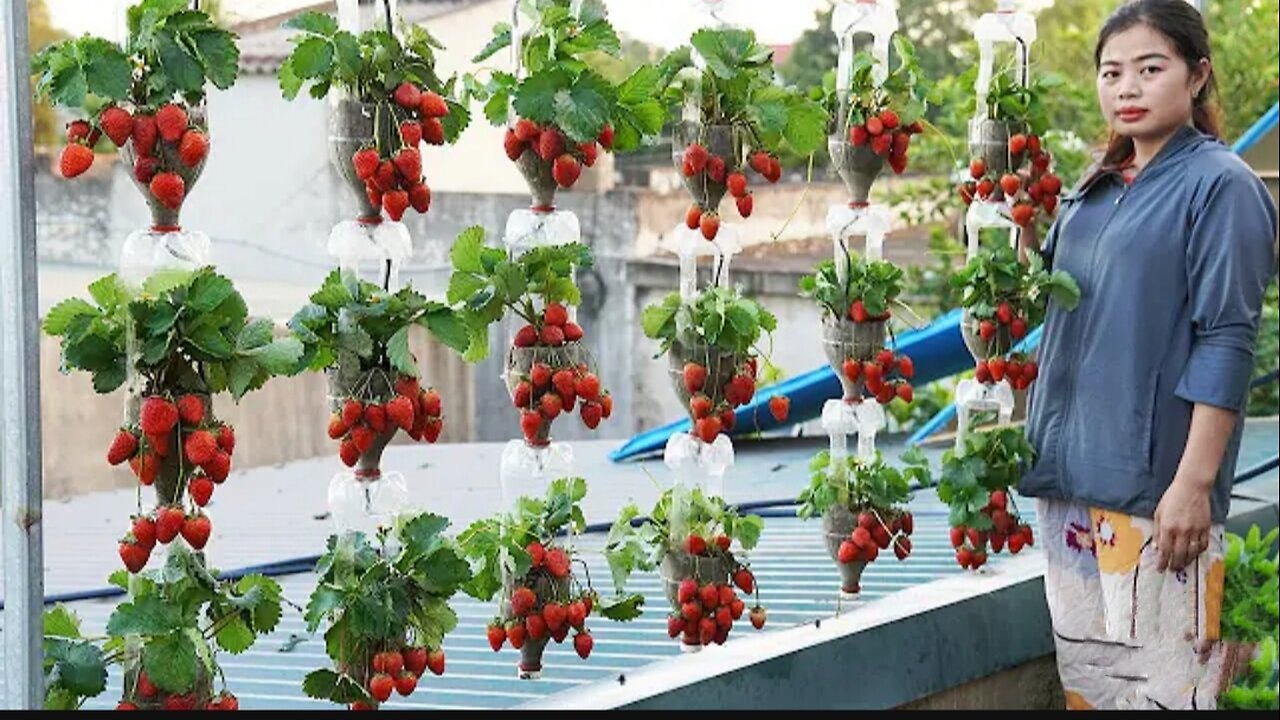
(654, 317)
(61, 315)
(106, 69)
(278, 357)
(313, 22)
(583, 112)
(265, 608)
(240, 374)
(166, 279)
(466, 250)
(235, 636)
(433, 619)
(67, 86)
(170, 662)
(806, 127)
(312, 58)
(623, 608)
(255, 334)
(180, 67)
(108, 291)
(747, 529)
(78, 667)
(536, 97)
(448, 328)
(501, 39)
(148, 615)
(640, 86)
(60, 621)
(120, 579)
(398, 352)
(211, 342)
(290, 83)
(217, 48)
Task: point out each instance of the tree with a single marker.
(40, 34)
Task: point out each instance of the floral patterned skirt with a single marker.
(1128, 636)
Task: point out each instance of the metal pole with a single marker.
(19, 373)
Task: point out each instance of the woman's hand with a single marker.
(1182, 523)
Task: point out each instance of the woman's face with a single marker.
(1145, 88)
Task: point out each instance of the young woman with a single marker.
(1136, 418)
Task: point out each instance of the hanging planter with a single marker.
(689, 538)
(549, 369)
(862, 504)
(147, 97)
(731, 116)
(1000, 457)
(413, 569)
(527, 558)
(560, 112)
(387, 101)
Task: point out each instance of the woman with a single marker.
(1137, 417)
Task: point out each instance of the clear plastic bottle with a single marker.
(851, 18)
(1005, 25)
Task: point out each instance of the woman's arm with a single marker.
(1182, 518)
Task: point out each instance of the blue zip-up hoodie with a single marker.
(1172, 270)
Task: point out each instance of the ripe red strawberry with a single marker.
(123, 447)
(760, 162)
(697, 157)
(606, 405)
(875, 126)
(408, 163)
(858, 135)
(1017, 144)
(675, 625)
(201, 489)
(406, 683)
(1010, 184)
(374, 195)
(169, 188)
(904, 391)
(552, 335)
(1049, 203)
(566, 170)
(144, 531)
(577, 614)
(745, 205)
(435, 661)
(686, 591)
(415, 659)
(977, 168)
(365, 162)
(550, 144)
(220, 466)
(737, 183)
(889, 119)
(511, 144)
(557, 563)
(986, 330)
(852, 369)
(432, 131)
(707, 429)
(1051, 184)
(1016, 542)
(134, 555)
(710, 224)
(145, 133)
(530, 424)
(381, 684)
(76, 158)
(145, 466)
(117, 124)
(190, 409)
(522, 601)
(199, 447)
(695, 545)
(695, 377)
(193, 148)
(997, 368)
(1033, 144)
(431, 105)
(195, 530)
(744, 579)
(126, 705)
(430, 402)
(977, 560)
(1022, 214)
(145, 687)
(395, 202)
(590, 151)
(169, 521)
(966, 191)
(716, 169)
(375, 416)
(362, 437)
(144, 168)
(901, 143)
(587, 386)
(709, 596)
(186, 701)
(523, 394)
(526, 336)
(1030, 371)
(885, 360)
(555, 314)
(779, 405)
(906, 368)
(171, 121)
(408, 96)
(554, 614)
(847, 553)
(411, 133)
(881, 145)
(699, 406)
(572, 332)
(606, 137)
(591, 414)
(78, 131)
(693, 217)
(583, 643)
(497, 635)
(536, 626)
(400, 410)
(858, 312)
(348, 452)
(757, 617)
(526, 131)
(985, 187)
(516, 634)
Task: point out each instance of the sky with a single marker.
(666, 23)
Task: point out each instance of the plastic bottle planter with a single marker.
(166, 171)
(703, 598)
(724, 146)
(538, 175)
(855, 541)
(544, 616)
(375, 387)
(141, 692)
(719, 367)
(858, 165)
(351, 127)
(999, 342)
(989, 140)
(837, 525)
(544, 397)
(843, 340)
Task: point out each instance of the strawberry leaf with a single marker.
(585, 109)
(170, 661)
(623, 608)
(536, 97)
(313, 22)
(77, 667)
(501, 39)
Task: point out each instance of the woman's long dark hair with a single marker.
(1182, 24)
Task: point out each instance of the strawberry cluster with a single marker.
(182, 437)
(1019, 369)
(358, 423)
(1028, 185)
(871, 535)
(552, 150)
(712, 408)
(885, 377)
(1006, 529)
(169, 126)
(146, 692)
(393, 176)
(556, 382)
(536, 618)
(399, 670)
(718, 175)
(708, 610)
(886, 137)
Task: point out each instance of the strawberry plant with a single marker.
(732, 114)
(975, 484)
(1003, 300)
(146, 96)
(855, 327)
(860, 503)
(689, 535)
(186, 337)
(358, 332)
(1256, 688)
(566, 112)
(393, 101)
(1251, 618)
(1011, 163)
(549, 368)
(385, 602)
(528, 555)
(165, 635)
(711, 345)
